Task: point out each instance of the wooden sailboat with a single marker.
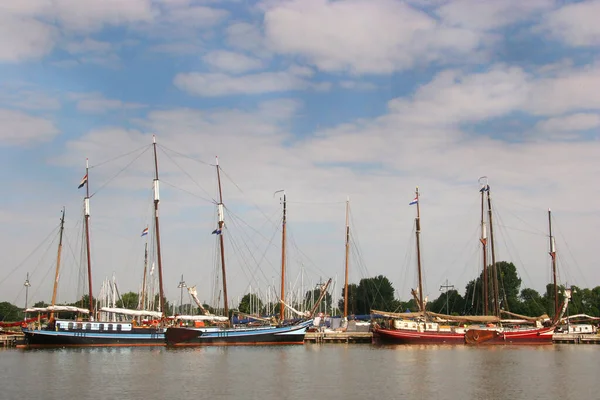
(62, 332)
(418, 327)
(245, 335)
(506, 334)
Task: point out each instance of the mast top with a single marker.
(217, 161)
(549, 210)
(154, 139)
(87, 162)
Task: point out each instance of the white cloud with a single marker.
(229, 61)
(575, 24)
(246, 36)
(196, 16)
(29, 97)
(177, 48)
(488, 15)
(19, 128)
(573, 122)
(363, 36)
(220, 84)
(566, 90)
(356, 85)
(97, 103)
(24, 38)
(88, 46)
(453, 97)
(89, 16)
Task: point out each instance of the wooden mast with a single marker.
(220, 233)
(483, 241)
(553, 256)
(418, 234)
(58, 254)
(283, 232)
(347, 257)
(494, 268)
(157, 233)
(86, 211)
(143, 299)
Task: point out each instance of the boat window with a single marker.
(88, 326)
(118, 327)
(110, 326)
(79, 325)
(71, 325)
(101, 326)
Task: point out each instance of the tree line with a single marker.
(378, 293)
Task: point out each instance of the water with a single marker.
(304, 372)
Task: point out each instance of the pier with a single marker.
(576, 338)
(338, 337)
(9, 340)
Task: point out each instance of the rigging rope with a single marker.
(119, 172)
(30, 254)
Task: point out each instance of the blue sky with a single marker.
(326, 99)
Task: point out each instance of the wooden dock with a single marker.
(576, 338)
(9, 340)
(338, 337)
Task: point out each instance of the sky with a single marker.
(327, 100)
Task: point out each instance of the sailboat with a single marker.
(419, 327)
(517, 334)
(246, 335)
(64, 332)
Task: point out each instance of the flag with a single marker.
(415, 201)
(83, 182)
(216, 231)
(145, 231)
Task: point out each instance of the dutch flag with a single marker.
(145, 231)
(415, 201)
(83, 182)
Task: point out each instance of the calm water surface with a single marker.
(304, 372)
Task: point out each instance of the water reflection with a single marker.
(304, 372)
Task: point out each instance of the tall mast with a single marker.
(143, 299)
(283, 232)
(418, 234)
(86, 211)
(27, 284)
(494, 268)
(221, 223)
(553, 256)
(158, 254)
(483, 241)
(58, 254)
(347, 256)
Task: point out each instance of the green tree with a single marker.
(532, 303)
(455, 303)
(509, 285)
(128, 300)
(10, 312)
(374, 293)
(250, 303)
(352, 300)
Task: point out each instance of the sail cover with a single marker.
(135, 313)
(201, 318)
(58, 309)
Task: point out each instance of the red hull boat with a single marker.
(401, 336)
